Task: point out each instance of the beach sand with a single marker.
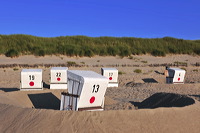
(143, 102)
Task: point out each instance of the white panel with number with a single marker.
(58, 75)
(112, 75)
(176, 75)
(31, 79)
(93, 93)
(89, 86)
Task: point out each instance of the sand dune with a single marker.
(16, 119)
(143, 102)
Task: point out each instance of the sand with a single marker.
(143, 102)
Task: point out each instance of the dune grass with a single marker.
(15, 45)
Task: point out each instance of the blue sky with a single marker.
(118, 18)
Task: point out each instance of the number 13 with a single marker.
(95, 88)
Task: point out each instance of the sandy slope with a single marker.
(15, 119)
(38, 111)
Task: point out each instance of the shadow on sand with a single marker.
(197, 97)
(45, 101)
(164, 100)
(9, 89)
(149, 80)
(159, 72)
(45, 85)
